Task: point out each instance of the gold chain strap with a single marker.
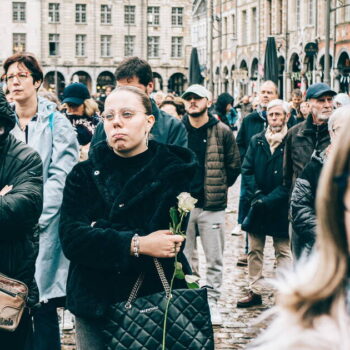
(140, 279)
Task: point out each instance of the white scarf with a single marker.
(275, 139)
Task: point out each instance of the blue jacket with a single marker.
(53, 137)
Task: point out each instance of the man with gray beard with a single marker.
(218, 168)
(307, 137)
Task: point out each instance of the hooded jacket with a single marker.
(302, 205)
(166, 129)
(20, 167)
(99, 218)
(51, 134)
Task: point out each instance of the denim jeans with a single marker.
(46, 327)
(88, 334)
(211, 226)
(21, 338)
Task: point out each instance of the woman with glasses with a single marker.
(41, 126)
(81, 110)
(313, 305)
(115, 213)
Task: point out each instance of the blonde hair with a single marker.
(90, 107)
(325, 284)
(315, 291)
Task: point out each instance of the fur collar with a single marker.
(168, 163)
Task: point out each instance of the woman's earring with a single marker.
(147, 135)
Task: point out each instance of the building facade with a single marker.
(240, 29)
(85, 40)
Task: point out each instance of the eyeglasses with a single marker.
(124, 115)
(21, 76)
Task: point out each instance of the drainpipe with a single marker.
(286, 63)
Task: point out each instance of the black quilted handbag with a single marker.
(138, 323)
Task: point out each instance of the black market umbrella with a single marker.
(195, 71)
(271, 61)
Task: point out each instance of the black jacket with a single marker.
(301, 141)
(102, 270)
(166, 129)
(20, 209)
(302, 206)
(252, 124)
(264, 171)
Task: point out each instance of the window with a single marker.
(54, 43)
(106, 45)
(310, 12)
(233, 26)
(280, 17)
(129, 14)
(54, 12)
(153, 46)
(224, 32)
(176, 46)
(153, 15)
(106, 14)
(19, 11)
(129, 42)
(347, 11)
(177, 16)
(80, 42)
(244, 27)
(18, 42)
(269, 17)
(253, 27)
(297, 10)
(80, 13)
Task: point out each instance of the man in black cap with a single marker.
(309, 136)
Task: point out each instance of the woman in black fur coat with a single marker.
(126, 187)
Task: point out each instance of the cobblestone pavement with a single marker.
(239, 327)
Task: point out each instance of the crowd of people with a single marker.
(87, 182)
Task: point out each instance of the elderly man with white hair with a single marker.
(268, 214)
(303, 198)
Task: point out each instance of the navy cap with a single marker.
(75, 93)
(319, 89)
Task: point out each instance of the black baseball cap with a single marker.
(319, 89)
(75, 93)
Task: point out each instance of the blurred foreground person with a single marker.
(313, 304)
(341, 100)
(21, 199)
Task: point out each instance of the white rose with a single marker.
(186, 202)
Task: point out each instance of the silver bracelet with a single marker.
(136, 245)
